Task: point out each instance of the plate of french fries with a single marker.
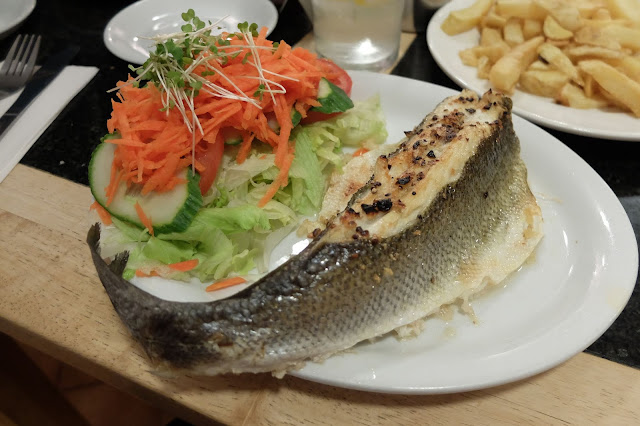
(572, 65)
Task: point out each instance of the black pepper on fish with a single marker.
(362, 232)
(403, 180)
(383, 205)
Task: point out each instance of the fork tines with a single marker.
(22, 61)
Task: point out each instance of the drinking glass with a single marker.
(358, 34)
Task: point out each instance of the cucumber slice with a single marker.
(295, 117)
(275, 126)
(332, 98)
(231, 136)
(171, 211)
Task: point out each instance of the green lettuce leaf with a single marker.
(230, 234)
(307, 179)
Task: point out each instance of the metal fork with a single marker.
(19, 63)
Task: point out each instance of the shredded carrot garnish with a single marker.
(360, 151)
(105, 217)
(142, 274)
(184, 266)
(146, 222)
(155, 144)
(281, 180)
(229, 282)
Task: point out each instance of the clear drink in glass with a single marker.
(358, 34)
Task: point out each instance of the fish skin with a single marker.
(476, 226)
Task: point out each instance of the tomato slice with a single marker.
(211, 158)
(337, 76)
(313, 116)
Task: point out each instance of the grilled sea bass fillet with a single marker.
(446, 214)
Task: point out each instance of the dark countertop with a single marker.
(65, 147)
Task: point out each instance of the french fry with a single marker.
(617, 84)
(611, 100)
(525, 9)
(627, 37)
(558, 59)
(543, 83)
(512, 32)
(531, 28)
(539, 66)
(484, 67)
(589, 52)
(490, 36)
(494, 52)
(468, 57)
(630, 65)
(593, 36)
(463, 20)
(588, 8)
(573, 96)
(552, 29)
(625, 9)
(506, 71)
(566, 14)
(601, 14)
(493, 20)
(599, 24)
(559, 43)
(589, 85)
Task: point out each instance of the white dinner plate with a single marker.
(125, 34)
(576, 284)
(595, 123)
(12, 13)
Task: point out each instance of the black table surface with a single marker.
(65, 147)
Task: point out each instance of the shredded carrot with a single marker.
(229, 282)
(281, 181)
(184, 266)
(154, 145)
(141, 273)
(105, 217)
(146, 222)
(360, 151)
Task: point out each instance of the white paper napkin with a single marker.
(28, 127)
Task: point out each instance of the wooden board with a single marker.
(52, 300)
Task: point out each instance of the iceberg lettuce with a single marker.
(230, 234)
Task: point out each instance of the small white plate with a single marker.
(574, 287)
(125, 34)
(13, 13)
(595, 123)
